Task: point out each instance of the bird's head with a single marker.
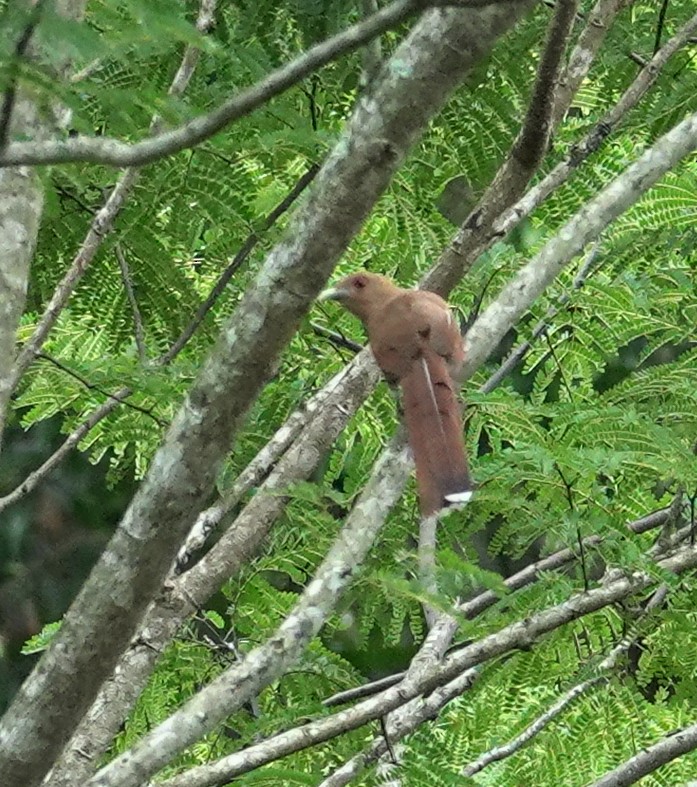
(361, 293)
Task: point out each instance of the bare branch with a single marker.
(36, 476)
(326, 414)
(403, 724)
(651, 759)
(135, 310)
(510, 180)
(476, 235)
(587, 47)
(482, 601)
(21, 204)
(531, 143)
(242, 681)
(121, 154)
(659, 26)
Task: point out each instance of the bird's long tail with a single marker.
(434, 427)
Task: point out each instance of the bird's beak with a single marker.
(333, 294)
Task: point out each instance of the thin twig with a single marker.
(36, 476)
(238, 260)
(481, 602)
(93, 387)
(517, 355)
(135, 310)
(659, 26)
(337, 339)
(211, 517)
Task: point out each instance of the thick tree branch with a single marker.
(476, 234)
(326, 415)
(21, 204)
(586, 225)
(651, 759)
(470, 243)
(529, 283)
(587, 47)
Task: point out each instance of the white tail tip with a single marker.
(459, 497)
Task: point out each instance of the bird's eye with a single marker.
(359, 284)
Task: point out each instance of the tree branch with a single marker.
(21, 204)
(264, 664)
(587, 224)
(112, 152)
(651, 759)
(587, 47)
(8, 102)
(135, 310)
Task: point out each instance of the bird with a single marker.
(418, 345)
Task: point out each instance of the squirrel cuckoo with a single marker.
(416, 343)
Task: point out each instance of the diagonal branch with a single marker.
(476, 236)
(133, 301)
(468, 245)
(651, 759)
(237, 261)
(526, 153)
(587, 47)
(121, 154)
